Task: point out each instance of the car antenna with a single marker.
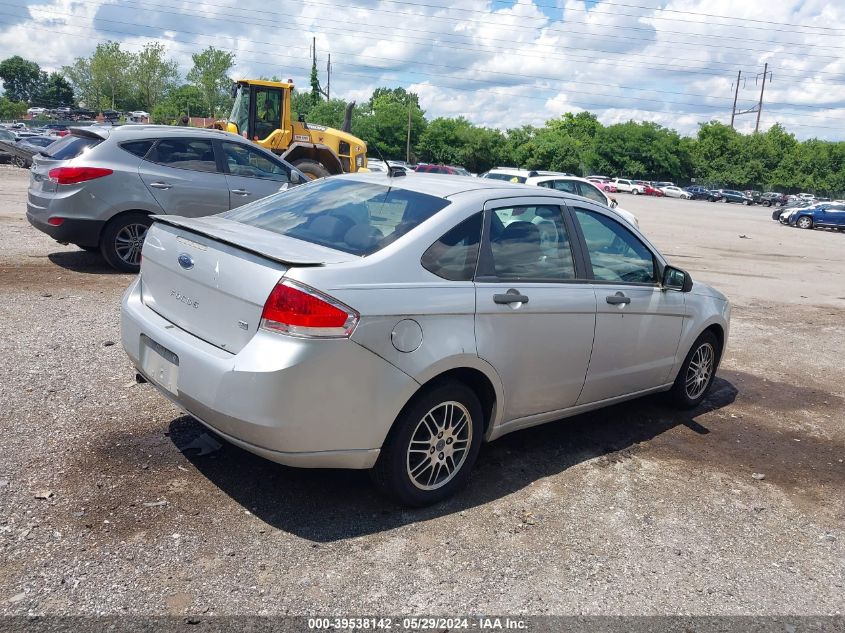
(390, 172)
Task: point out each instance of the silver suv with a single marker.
(98, 186)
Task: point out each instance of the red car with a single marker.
(441, 169)
(604, 185)
(649, 189)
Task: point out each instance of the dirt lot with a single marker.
(632, 510)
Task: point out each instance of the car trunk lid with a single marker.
(211, 277)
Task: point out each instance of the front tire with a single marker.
(311, 168)
(430, 451)
(804, 222)
(636, 192)
(123, 239)
(696, 375)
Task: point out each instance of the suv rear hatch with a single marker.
(59, 154)
(211, 276)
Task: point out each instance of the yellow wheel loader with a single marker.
(262, 113)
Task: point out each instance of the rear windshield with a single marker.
(347, 215)
(508, 177)
(71, 146)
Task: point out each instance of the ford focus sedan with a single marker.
(395, 324)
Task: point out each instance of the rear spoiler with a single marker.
(273, 246)
(99, 133)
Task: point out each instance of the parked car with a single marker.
(316, 330)
(827, 215)
(603, 184)
(771, 198)
(6, 136)
(697, 192)
(36, 111)
(729, 195)
(675, 192)
(582, 187)
(111, 115)
(440, 169)
(648, 188)
(629, 186)
(31, 145)
(510, 174)
(783, 214)
(98, 186)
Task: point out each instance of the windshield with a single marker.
(348, 215)
(240, 109)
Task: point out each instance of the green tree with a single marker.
(210, 74)
(54, 92)
(153, 75)
(186, 99)
(21, 78)
(110, 68)
(383, 122)
(11, 109)
(86, 86)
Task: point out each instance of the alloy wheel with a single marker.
(439, 445)
(699, 371)
(805, 222)
(129, 241)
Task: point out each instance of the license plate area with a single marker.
(159, 364)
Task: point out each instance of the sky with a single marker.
(499, 63)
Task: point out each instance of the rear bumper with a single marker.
(306, 403)
(70, 231)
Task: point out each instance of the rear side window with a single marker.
(179, 153)
(347, 215)
(71, 146)
(455, 255)
(138, 148)
(507, 177)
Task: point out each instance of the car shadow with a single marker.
(328, 505)
(83, 262)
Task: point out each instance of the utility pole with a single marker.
(408, 141)
(762, 89)
(736, 94)
(329, 78)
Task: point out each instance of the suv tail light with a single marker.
(74, 175)
(300, 310)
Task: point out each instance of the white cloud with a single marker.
(501, 66)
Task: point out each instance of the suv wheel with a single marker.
(123, 239)
(432, 446)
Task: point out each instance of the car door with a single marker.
(836, 216)
(638, 324)
(182, 175)
(251, 174)
(535, 312)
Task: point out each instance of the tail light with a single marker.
(74, 175)
(300, 310)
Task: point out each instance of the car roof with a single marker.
(446, 185)
(135, 131)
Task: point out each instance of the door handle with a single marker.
(240, 192)
(619, 299)
(161, 185)
(511, 296)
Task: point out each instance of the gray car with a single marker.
(98, 186)
(394, 324)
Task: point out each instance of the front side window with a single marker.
(246, 161)
(347, 215)
(455, 255)
(530, 243)
(589, 191)
(268, 109)
(180, 153)
(615, 253)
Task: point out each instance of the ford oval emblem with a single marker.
(186, 261)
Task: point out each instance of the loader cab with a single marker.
(259, 111)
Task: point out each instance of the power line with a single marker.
(449, 44)
(698, 106)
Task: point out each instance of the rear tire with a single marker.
(122, 240)
(439, 429)
(696, 375)
(312, 169)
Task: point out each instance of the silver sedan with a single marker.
(396, 323)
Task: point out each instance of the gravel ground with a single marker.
(734, 508)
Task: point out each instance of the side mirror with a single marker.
(676, 279)
(613, 203)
